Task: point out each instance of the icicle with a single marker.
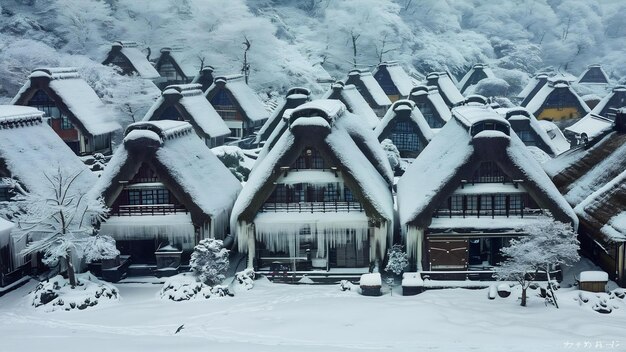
(414, 238)
(175, 229)
(242, 236)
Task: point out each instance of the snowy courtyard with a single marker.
(279, 317)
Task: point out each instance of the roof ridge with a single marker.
(21, 120)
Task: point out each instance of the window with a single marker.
(486, 204)
(500, 204)
(349, 196)
(488, 171)
(404, 137)
(168, 71)
(65, 123)
(309, 159)
(280, 194)
(457, 203)
(331, 192)
(145, 174)
(429, 113)
(221, 99)
(171, 113)
(5, 194)
(134, 197)
(489, 126)
(527, 137)
(42, 102)
(515, 203)
(148, 196)
(384, 79)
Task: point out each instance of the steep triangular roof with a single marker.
(456, 152)
(314, 124)
(400, 79)
(369, 88)
(534, 85)
(421, 94)
(520, 118)
(614, 100)
(594, 74)
(354, 101)
(448, 91)
(73, 96)
(204, 78)
(130, 51)
(404, 109)
(590, 126)
(477, 73)
(184, 164)
(30, 149)
(242, 96)
(175, 56)
(190, 102)
(295, 97)
(536, 104)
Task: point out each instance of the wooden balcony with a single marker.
(312, 207)
(153, 209)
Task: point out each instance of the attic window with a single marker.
(489, 126)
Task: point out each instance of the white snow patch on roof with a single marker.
(140, 62)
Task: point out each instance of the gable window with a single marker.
(168, 71)
(488, 171)
(148, 196)
(404, 137)
(44, 103)
(489, 126)
(65, 123)
(171, 113)
(5, 194)
(427, 110)
(310, 159)
(386, 83)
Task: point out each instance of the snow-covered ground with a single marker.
(278, 317)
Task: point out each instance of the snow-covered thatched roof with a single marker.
(30, 150)
(5, 232)
(430, 95)
(334, 132)
(134, 57)
(534, 85)
(204, 77)
(241, 95)
(369, 88)
(404, 110)
(185, 165)
(594, 74)
(537, 103)
(354, 101)
(554, 132)
(183, 65)
(614, 100)
(190, 102)
(455, 153)
(522, 120)
(396, 74)
(295, 97)
(448, 91)
(474, 75)
(74, 98)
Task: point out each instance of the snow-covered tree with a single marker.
(99, 247)
(59, 221)
(393, 155)
(209, 261)
(547, 243)
(397, 260)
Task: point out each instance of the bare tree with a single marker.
(355, 38)
(245, 69)
(380, 52)
(58, 221)
(201, 59)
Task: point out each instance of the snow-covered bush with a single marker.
(235, 160)
(245, 278)
(209, 261)
(393, 155)
(602, 302)
(346, 285)
(57, 293)
(185, 287)
(489, 87)
(397, 260)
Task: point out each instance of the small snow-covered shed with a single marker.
(295, 97)
(165, 187)
(528, 129)
(431, 105)
(237, 104)
(371, 91)
(128, 57)
(317, 200)
(174, 68)
(74, 110)
(406, 127)
(349, 95)
(556, 100)
(448, 91)
(472, 188)
(477, 73)
(594, 74)
(186, 102)
(587, 128)
(394, 80)
(204, 78)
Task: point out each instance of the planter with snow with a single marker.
(370, 284)
(168, 260)
(593, 281)
(412, 284)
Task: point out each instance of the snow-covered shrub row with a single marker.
(185, 287)
(245, 279)
(603, 302)
(57, 294)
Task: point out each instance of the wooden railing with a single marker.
(312, 207)
(153, 209)
(491, 213)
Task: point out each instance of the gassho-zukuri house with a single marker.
(320, 198)
(469, 192)
(74, 110)
(186, 102)
(31, 154)
(165, 188)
